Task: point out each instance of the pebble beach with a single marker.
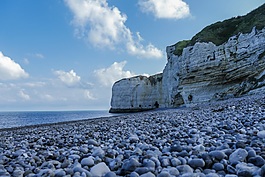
(221, 139)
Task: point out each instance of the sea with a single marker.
(20, 119)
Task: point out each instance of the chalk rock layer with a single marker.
(203, 72)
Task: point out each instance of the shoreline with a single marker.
(215, 139)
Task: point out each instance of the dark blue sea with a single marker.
(18, 119)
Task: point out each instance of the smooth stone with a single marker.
(165, 162)
(98, 152)
(142, 170)
(110, 174)
(134, 174)
(18, 173)
(219, 155)
(74, 157)
(149, 174)
(175, 162)
(149, 163)
(81, 170)
(244, 169)
(99, 170)
(172, 171)
(212, 175)
(133, 139)
(92, 142)
(59, 173)
(195, 163)
(89, 161)
(231, 169)
(237, 156)
(251, 153)
(184, 169)
(261, 134)
(257, 161)
(218, 166)
(164, 174)
(130, 165)
(230, 175)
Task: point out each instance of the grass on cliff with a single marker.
(220, 32)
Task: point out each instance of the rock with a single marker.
(92, 142)
(237, 156)
(98, 152)
(59, 173)
(130, 165)
(184, 169)
(149, 174)
(202, 72)
(164, 174)
(245, 170)
(99, 170)
(133, 139)
(261, 134)
(81, 170)
(110, 174)
(218, 166)
(89, 161)
(195, 163)
(219, 155)
(257, 161)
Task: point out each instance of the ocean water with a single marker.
(18, 119)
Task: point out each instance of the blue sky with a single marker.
(66, 54)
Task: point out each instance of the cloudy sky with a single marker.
(66, 54)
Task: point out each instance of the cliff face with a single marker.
(202, 73)
(137, 94)
(206, 72)
(210, 66)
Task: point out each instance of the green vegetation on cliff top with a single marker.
(220, 32)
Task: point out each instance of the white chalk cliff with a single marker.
(201, 72)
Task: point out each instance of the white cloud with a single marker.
(23, 95)
(171, 9)
(10, 70)
(69, 78)
(89, 95)
(104, 26)
(107, 76)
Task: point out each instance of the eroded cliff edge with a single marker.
(200, 72)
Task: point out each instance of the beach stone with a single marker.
(134, 174)
(99, 170)
(219, 155)
(149, 174)
(74, 157)
(195, 163)
(245, 170)
(81, 170)
(230, 175)
(251, 153)
(237, 156)
(98, 152)
(164, 174)
(175, 162)
(143, 170)
(92, 142)
(130, 165)
(261, 134)
(218, 166)
(133, 139)
(110, 174)
(212, 175)
(89, 161)
(165, 162)
(18, 173)
(240, 144)
(184, 169)
(149, 163)
(257, 161)
(176, 148)
(231, 169)
(59, 173)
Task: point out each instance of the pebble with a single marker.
(261, 134)
(185, 142)
(237, 156)
(99, 170)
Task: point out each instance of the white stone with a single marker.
(202, 73)
(99, 170)
(261, 134)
